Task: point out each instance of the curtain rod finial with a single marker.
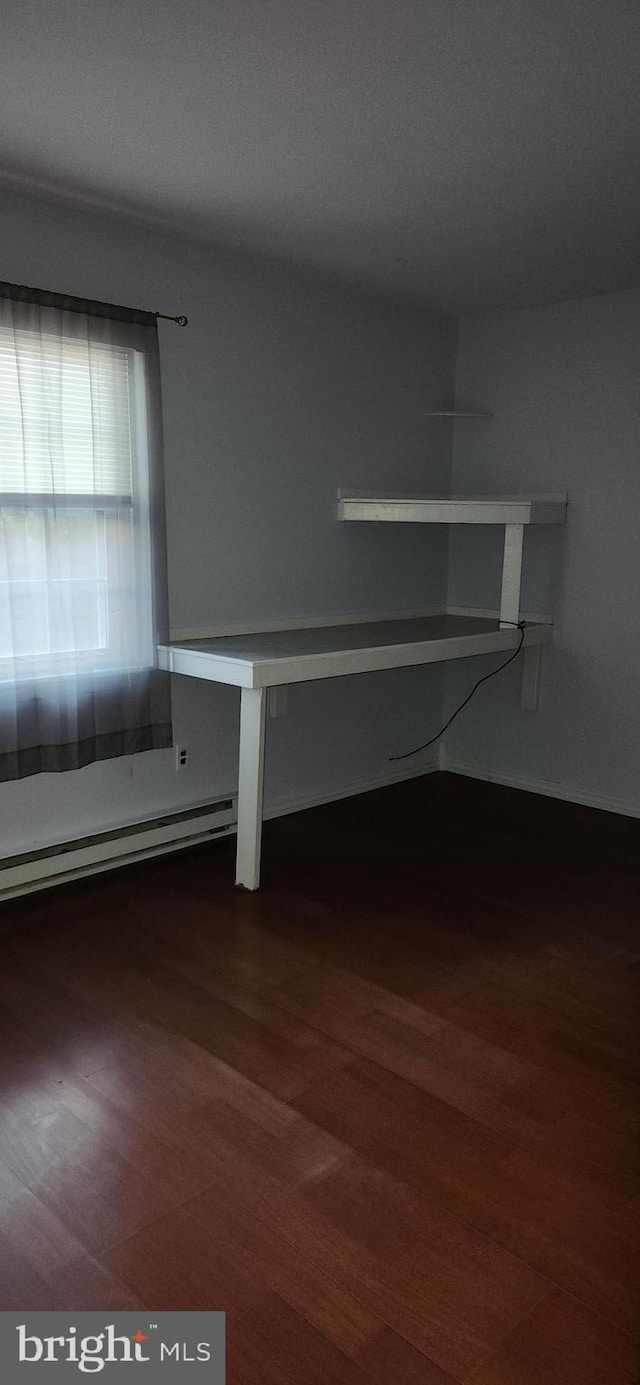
(181, 321)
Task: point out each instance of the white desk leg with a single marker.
(511, 574)
(253, 704)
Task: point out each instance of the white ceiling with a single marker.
(473, 152)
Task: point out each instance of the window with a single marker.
(82, 563)
(73, 462)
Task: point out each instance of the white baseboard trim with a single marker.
(58, 865)
(129, 849)
(107, 850)
(283, 806)
(547, 787)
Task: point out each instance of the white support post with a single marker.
(511, 574)
(253, 704)
(530, 678)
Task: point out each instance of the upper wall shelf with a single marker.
(394, 507)
(457, 413)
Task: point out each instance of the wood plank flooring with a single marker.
(384, 1113)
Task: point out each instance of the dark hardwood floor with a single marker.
(384, 1112)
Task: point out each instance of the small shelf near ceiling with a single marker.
(457, 413)
(396, 507)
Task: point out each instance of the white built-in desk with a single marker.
(257, 662)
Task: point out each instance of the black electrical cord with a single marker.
(519, 625)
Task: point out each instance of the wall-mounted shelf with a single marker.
(457, 413)
(394, 507)
(513, 511)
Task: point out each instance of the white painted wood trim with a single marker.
(253, 703)
(548, 788)
(283, 806)
(214, 668)
(511, 574)
(28, 883)
(64, 861)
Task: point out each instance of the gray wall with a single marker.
(564, 384)
(282, 388)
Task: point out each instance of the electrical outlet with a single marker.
(182, 756)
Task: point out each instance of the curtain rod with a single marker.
(69, 301)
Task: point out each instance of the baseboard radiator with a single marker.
(53, 865)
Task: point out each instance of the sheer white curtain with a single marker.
(83, 592)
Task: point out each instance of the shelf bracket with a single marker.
(531, 678)
(511, 574)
